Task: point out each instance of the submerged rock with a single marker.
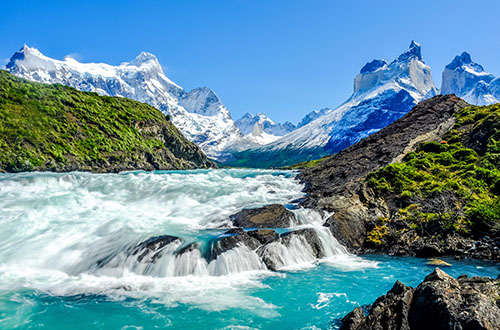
(232, 239)
(439, 302)
(269, 216)
(438, 262)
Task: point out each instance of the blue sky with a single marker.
(284, 58)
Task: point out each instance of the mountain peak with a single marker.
(464, 59)
(144, 57)
(414, 45)
(414, 51)
(467, 79)
(20, 55)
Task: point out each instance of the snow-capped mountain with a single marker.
(199, 114)
(248, 121)
(313, 115)
(469, 81)
(383, 92)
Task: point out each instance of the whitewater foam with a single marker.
(75, 234)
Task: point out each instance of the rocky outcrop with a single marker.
(339, 184)
(269, 216)
(439, 302)
(340, 175)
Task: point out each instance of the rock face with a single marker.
(439, 302)
(269, 216)
(336, 184)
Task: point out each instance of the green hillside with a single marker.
(58, 128)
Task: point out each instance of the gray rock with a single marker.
(439, 302)
(275, 262)
(269, 216)
(152, 247)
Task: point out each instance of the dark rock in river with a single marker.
(264, 235)
(269, 216)
(231, 239)
(152, 248)
(308, 242)
(439, 302)
(271, 247)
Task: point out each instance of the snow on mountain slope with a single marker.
(199, 114)
(313, 115)
(247, 123)
(383, 92)
(469, 81)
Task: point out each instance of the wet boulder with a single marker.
(310, 236)
(269, 216)
(232, 239)
(439, 302)
(153, 247)
(264, 236)
(187, 249)
(295, 247)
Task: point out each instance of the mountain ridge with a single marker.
(199, 114)
(426, 185)
(382, 93)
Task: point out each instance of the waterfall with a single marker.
(302, 246)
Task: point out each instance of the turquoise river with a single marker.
(56, 230)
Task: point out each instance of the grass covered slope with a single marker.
(445, 188)
(58, 128)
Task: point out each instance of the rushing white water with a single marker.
(81, 233)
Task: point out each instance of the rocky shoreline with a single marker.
(439, 302)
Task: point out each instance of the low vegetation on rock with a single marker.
(446, 187)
